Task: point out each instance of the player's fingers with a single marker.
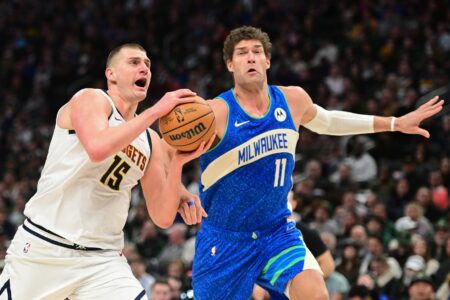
(198, 209)
(192, 211)
(204, 146)
(430, 112)
(423, 132)
(204, 214)
(184, 93)
(430, 102)
(187, 213)
(182, 214)
(211, 140)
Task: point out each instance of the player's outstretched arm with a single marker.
(322, 121)
(161, 190)
(88, 111)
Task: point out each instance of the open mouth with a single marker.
(141, 82)
(251, 71)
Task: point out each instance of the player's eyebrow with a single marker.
(246, 47)
(146, 60)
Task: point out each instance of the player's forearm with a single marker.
(347, 123)
(168, 202)
(113, 139)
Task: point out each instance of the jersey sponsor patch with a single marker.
(280, 114)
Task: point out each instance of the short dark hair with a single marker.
(245, 33)
(117, 49)
(161, 281)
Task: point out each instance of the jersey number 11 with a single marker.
(280, 170)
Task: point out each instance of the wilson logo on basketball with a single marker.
(188, 134)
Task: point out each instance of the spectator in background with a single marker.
(440, 237)
(361, 292)
(421, 288)
(174, 248)
(139, 271)
(322, 221)
(150, 242)
(445, 171)
(399, 198)
(362, 165)
(376, 226)
(358, 235)
(374, 248)
(349, 262)
(160, 290)
(414, 221)
(439, 193)
(424, 199)
(383, 275)
(422, 247)
(176, 269)
(444, 266)
(415, 264)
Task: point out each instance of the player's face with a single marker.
(131, 72)
(249, 63)
(161, 292)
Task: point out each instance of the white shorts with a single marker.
(37, 269)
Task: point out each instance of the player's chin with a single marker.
(140, 92)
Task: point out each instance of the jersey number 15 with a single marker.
(115, 173)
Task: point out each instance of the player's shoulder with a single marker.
(91, 99)
(218, 105)
(294, 92)
(88, 93)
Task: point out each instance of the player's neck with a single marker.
(126, 108)
(255, 100)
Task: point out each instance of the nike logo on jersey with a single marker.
(117, 119)
(236, 124)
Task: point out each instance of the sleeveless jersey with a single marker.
(246, 178)
(85, 202)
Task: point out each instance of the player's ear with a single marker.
(230, 66)
(268, 63)
(110, 75)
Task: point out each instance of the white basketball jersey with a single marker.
(85, 202)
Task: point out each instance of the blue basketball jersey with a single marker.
(247, 176)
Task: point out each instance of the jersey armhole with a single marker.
(226, 125)
(149, 141)
(289, 108)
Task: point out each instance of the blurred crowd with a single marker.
(380, 202)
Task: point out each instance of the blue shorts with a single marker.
(227, 264)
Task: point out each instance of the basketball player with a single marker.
(246, 178)
(70, 244)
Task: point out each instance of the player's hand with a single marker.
(184, 157)
(172, 99)
(191, 209)
(410, 122)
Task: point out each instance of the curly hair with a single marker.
(245, 33)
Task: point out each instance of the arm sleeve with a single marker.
(340, 122)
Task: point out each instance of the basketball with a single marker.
(188, 124)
